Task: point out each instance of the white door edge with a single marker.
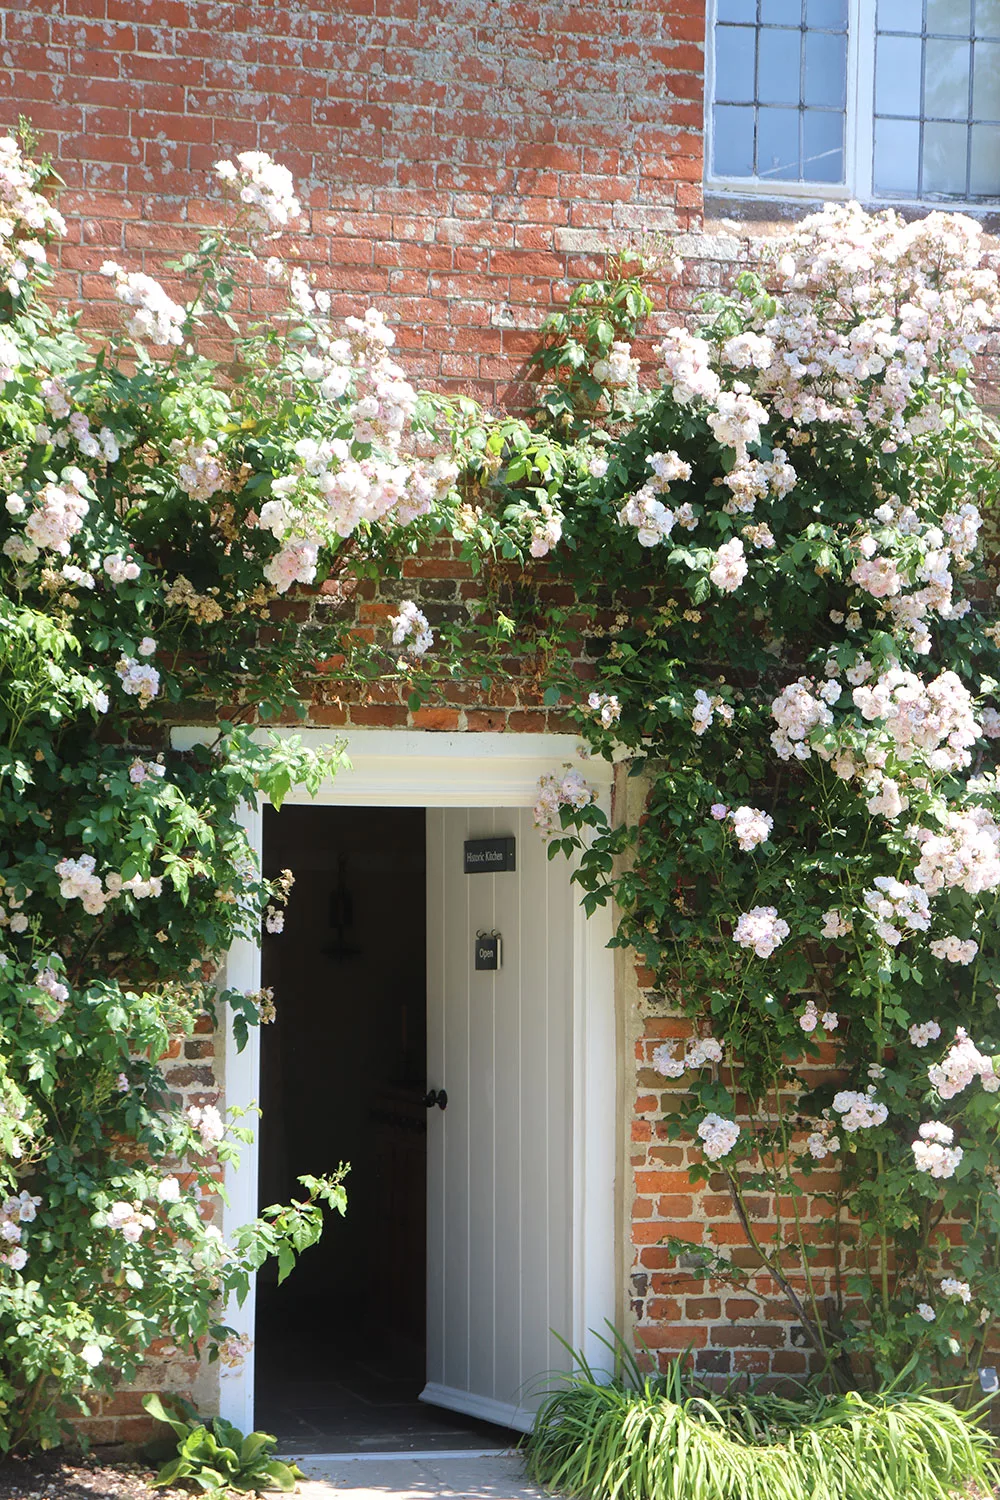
(241, 1081)
(484, 1407)
(398, 768)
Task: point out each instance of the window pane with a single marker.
(946, 80)
(781, 12)
(827, 13)
(900, 15)
(733, 150)
(778, 145)
(897, 76)
(778, 86)
(826, 69)
(736, 10)
(778, 64)
(944, 159)
(822, 146)
(988, 18)
(986, 82)
(897, 150)
(984, 178)
(734, 63)
(948, 17)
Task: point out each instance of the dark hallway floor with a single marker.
(318, 1400)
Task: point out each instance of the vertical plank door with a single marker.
(499, 1169)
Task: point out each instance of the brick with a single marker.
(661, 1182)
(488, 720)
(789, 1362)
(751, 1361)
(664, 1309)
(420, 567)
(674, 1206)
(742, 1307)
(712, 1361)
(133, 1430)
(328, 715)
(380, 717)
(681, 1337)
(650, 1233)
(747, 1337)
(123, 1404)
(729, 1234)
(97, 1429)
(662, 1026)
(436, 718)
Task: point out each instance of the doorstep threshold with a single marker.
(421, 1455)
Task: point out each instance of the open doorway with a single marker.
(341, 1346)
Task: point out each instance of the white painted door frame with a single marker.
(413, 768)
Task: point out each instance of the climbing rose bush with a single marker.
(152, 513)
(781, 556)
(777, 552)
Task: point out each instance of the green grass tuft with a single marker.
(645, 1438)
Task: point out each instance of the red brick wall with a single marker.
(734, 1327)
(192, 1069)
(461, 162)
(447, 592)
(460, 158)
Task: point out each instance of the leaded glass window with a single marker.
(885, 99)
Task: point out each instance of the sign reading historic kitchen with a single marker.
(489, 856)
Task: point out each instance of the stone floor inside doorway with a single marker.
(363, 1408)
(449, 1476)
(325, 1396)
(319, 1399)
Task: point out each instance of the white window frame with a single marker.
(859, 133)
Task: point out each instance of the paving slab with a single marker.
(424, 1476)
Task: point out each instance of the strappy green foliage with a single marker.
(638, 1437)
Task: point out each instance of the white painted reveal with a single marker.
(477, 771)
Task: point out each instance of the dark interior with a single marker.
(340, 1352)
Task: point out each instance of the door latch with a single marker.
(438, 1097)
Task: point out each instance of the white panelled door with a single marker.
(499, 1157)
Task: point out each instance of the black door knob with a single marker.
(438, 1097)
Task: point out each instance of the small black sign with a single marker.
(488, 950)
(489, 856)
